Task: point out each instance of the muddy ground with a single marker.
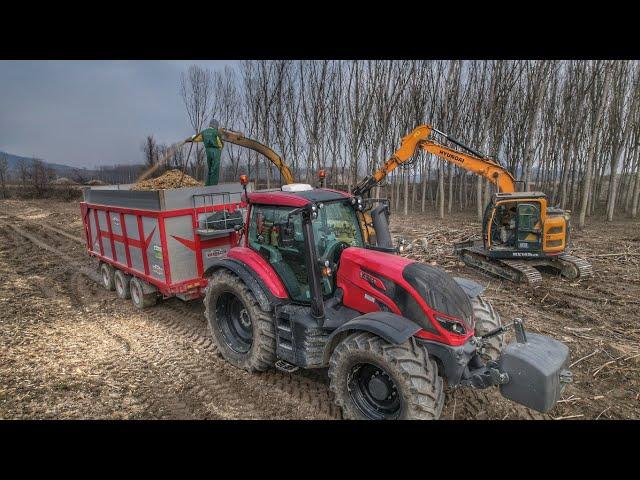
(70, 349)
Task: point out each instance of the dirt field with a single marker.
(70, 349)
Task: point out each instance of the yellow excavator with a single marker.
(519, 230)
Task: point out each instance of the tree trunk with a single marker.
(586, 189)
(441, 188)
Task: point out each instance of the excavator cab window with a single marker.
(503, 225)
(528, 226)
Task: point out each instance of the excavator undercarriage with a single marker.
(473, 254)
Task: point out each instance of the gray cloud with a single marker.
(89, 113)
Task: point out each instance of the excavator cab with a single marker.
(515, 223)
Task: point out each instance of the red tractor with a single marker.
(309, 285)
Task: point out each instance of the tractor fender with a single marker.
(389, 326)
(265, 298)
(471, 288)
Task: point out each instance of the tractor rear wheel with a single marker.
(242, 331)
(487, 319)
(107, 276)
(374, 379)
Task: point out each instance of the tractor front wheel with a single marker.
(243, 333)
(374, 379)
(487, 319)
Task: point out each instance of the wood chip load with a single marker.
(168, 180)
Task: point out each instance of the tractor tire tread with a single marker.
(410, 364)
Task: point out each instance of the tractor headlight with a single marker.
(451, 325)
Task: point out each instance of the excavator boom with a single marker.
(420, 137)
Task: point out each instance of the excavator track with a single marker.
(574, 267)
(513, 270)
(523, 271)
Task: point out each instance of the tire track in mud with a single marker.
(301, 395)
(309, 386)
(167, 407)
(219, 387)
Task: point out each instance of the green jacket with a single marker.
(213, 145)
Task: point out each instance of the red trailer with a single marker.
(160, 242)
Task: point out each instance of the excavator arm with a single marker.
(239, 139)
(420, 137)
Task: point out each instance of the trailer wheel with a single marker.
(487, 319)
(243, 333)
(122, 281)
(107, 276)
(374, 379)
(138, 297)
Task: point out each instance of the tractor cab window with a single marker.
(335, 228)
(265, 229)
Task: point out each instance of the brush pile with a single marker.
(168, 180)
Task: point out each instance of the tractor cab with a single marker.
(278, 231)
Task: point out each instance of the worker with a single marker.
(213, 147)
(508, 225)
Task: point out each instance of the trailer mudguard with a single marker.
(265, 298)
(393, 328)
(471, 288)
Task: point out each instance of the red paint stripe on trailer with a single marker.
(113, 243)
(190, 244)
(98, 231)
(165, 251)
(88, 236)
(143, 245)
(123, 226)
(231, 207)
(197, 244)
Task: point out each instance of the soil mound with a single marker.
(64, 181)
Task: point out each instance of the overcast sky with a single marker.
(89, 113)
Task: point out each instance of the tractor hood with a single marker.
(387, 276)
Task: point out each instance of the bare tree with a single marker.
(624, 127)
(40, 176)
(196, 89)
(4, 170)
(546, 121)
(150, 150)
(599, 112)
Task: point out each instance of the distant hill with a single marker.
(59, 169)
